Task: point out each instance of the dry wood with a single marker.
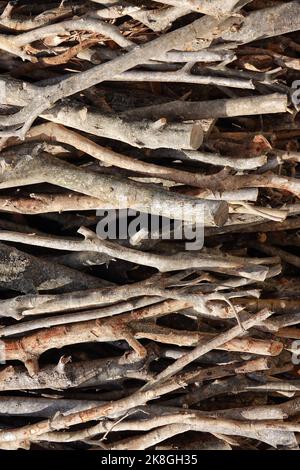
(209, 345)
(190, 338)
(214, 7)
(268, 22)
(157, 285)
(111, 409)
(252, 105)
(163, 263)
(25, 273)
(205, 26)
(77, 374)
(130, 336)
(26, 171)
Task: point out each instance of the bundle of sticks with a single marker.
(113, 115)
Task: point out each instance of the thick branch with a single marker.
(251, 105)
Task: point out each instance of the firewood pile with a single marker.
(149, 229)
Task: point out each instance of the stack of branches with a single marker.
(183, 111)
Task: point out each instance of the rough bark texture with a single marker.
(149, 228)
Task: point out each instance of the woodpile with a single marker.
(116, 115)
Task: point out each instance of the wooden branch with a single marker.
(209, 7)
(82, 260)
(163, 263)
(202, 303)
(87, 24)
(256, 413)
(190, 338)
(155, 19)
(42, 407)
(284, 255)
(138, 133)
(29, 348)
(15, 44)
(24, 23)
(233, 162)
(252, 105)
(74, 374)
(156, 286)
(268, 22)
(258, 430)
(182, 76)
(99, 54)
(120, 406)
(208, 346)
(77, 317)
(205, 55)
(41, 203)
(58, 133)
(47, 96)
(26, 273)
(44, 168)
